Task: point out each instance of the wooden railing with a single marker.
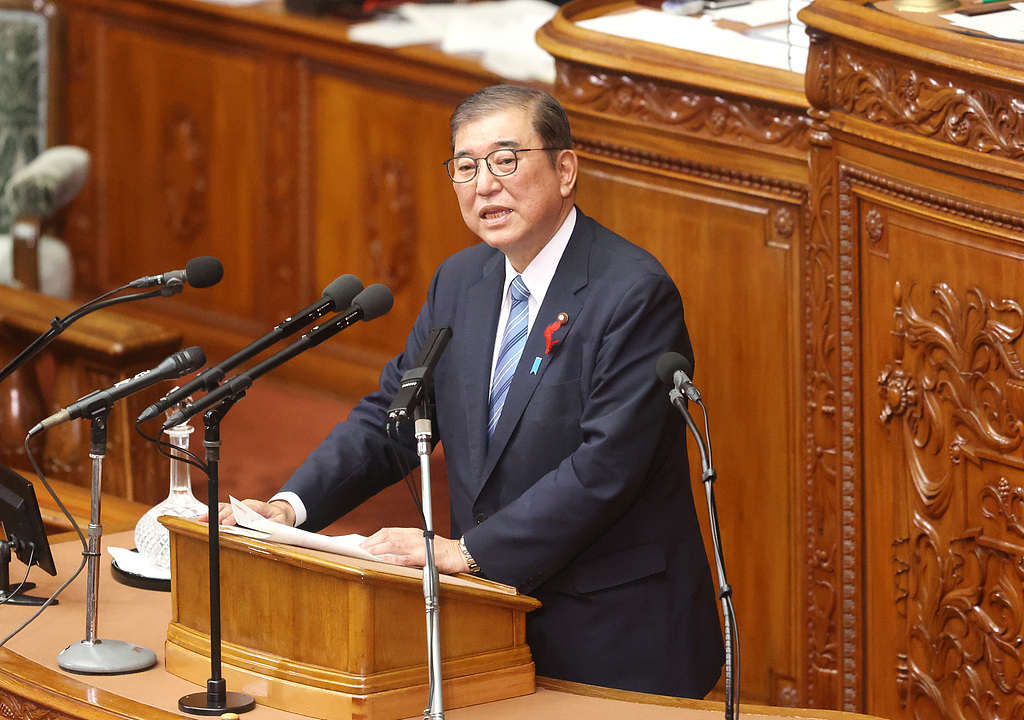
(93, 353)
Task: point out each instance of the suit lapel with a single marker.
(568, 279)
(480, 323)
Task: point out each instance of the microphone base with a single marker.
(216, 701)
(105, 657)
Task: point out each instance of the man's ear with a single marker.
(568, 165)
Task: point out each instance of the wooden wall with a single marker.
(847, 245)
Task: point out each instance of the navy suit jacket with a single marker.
(582, 498)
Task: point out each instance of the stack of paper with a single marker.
(500, 32)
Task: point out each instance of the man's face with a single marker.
(518, 213)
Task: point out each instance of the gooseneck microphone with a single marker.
(675, 371)
(339, 294)
(371, 303)
(199, 272)
(178, 364)
(417, 382)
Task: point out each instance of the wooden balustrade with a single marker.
(93, 353)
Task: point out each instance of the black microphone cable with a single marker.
(675, 370)
(200, 272)
(81, 537)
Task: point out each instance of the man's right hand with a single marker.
(278, 511)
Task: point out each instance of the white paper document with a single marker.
(1007, 24)
(501, 32)
(252, 524)
(697, 34)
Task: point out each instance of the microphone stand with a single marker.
(431, 581)
(93, 656)
(708, 477)
(59, 325)
(216, 700)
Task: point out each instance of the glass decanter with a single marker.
(152, 539)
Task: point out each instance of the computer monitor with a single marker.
(25, 536)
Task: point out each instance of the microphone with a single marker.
(675, 370)
(178, 364)
(371, 303)
(417, 382)
(199, 272)
(339, 294)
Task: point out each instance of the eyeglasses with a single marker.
(500, 162)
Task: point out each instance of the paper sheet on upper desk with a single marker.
(755, 14)
(347, 545)
(696, 34)
(501, 32)
(1005, 24)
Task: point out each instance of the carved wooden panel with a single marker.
(185, 176)
(943, 461)
(383, 207)
(735, 258)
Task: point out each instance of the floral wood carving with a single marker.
(661, 104)
(960, 591)
(821, 370)
(184, 174)
(933, 106)
(18, 708)
(394, 203)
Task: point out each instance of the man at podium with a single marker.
(567, 465)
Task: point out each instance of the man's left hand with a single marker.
(406, 546)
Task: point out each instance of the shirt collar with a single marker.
(541, 270)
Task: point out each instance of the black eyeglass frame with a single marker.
(487, 160)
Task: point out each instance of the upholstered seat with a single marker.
(36, 182)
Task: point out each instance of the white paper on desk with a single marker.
(1005, 24)
(696, 34)
(501, 32)
(755, 14)
(347, 545)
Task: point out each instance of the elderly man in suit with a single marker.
(567, 465)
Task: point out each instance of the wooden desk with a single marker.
(847, 245)
(31, 685)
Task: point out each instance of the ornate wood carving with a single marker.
(821, 373)
(953, 391)
(659, 103)
(887, 92)
(16, 707)
(392, 197)
(184, 174)
(713, 173)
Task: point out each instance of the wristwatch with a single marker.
(473, 567)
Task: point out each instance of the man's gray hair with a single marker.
(549, 119)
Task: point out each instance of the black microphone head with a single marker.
(669, 364)
(343, 291)
(189, 360)
(203, 272)
(374, 301)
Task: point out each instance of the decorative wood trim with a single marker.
(16, 707)
(887, 91)
(952, 393)
(791, 192)
(946, 204)
(850, 473)
(821, 375)
(659, 103)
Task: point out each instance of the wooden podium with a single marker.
(336, 637)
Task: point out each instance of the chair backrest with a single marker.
(25, 46)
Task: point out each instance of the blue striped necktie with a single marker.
(512, 345)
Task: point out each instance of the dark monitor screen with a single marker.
(21, 521)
